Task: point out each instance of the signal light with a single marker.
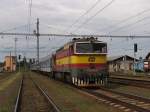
(19, 57)
(135, 47)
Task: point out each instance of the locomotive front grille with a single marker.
(87, 81)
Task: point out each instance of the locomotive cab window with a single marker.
(86, 48)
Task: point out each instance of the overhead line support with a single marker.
(37, 34)
(76, 35)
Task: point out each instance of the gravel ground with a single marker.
(131, 90)
(8, 93)
(32, 100)
(69, 99)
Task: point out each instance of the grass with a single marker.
(69, 99)
(7, 82)
(8, 93)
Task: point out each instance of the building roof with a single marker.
(121, 57)
(148, 55)
(113, 58)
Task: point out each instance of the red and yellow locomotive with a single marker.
(82, 62)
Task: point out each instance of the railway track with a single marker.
(132, 82)
(32, 98)
(127, 102)
(130, 76)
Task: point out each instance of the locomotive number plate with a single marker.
(91, 59)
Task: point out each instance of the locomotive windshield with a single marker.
(96, 48)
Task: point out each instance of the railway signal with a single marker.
(135, 51)
(135, 47)
(19, 57)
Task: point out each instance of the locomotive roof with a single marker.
(79, 40)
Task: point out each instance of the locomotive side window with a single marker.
(91, 48)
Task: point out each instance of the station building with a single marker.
(121, 63)
(10, 63)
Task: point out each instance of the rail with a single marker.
(16, 109)
(117, 101)
(132, 82)
(46, 96)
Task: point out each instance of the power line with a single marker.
(6, 51)
(77, 35)
(128, 25)
(29, 15)
(80, 17)
(52, 27)
(86, 21)
(14, 28)
(29, 23)
(141, 26)
(49, 26)
(126, 19)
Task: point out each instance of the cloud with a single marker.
(60, 14)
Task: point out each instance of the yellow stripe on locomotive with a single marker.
(84, 61)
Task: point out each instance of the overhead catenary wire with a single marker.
(52, 27)
(78, 35)
(89, 19)
(126, 19)
(15, 28)
(29, 24)
(29, 17)
(128, 25)
(62, 40)
(30, 14)
(6, 51)
(115, 49)
(84, 14)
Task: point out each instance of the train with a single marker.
(81, 62)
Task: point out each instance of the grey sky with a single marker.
(57, 15)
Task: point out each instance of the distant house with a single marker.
(147, 62)
(121, 63)
(147, 56)
(10, 63)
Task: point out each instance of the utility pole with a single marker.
(16, 50)
(37, 34)
(10, 63)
